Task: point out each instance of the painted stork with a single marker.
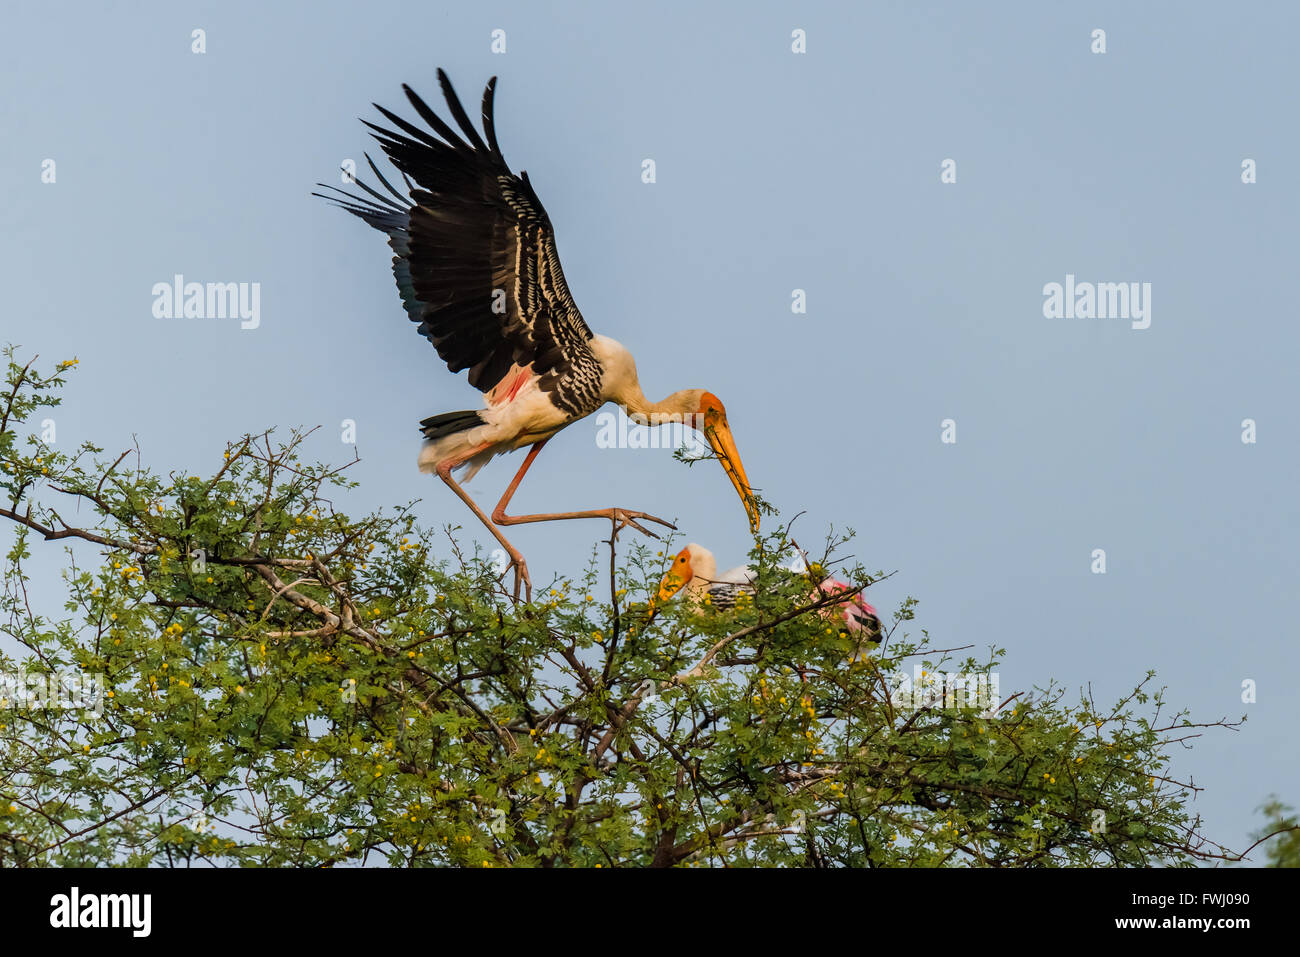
(477, 267)
(694, 571)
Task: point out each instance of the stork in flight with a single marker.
(694, 571)
(477, 268)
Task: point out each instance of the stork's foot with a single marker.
(622, 518)
(521, 575)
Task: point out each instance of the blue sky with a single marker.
(775, 172)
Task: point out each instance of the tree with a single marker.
(1280, 834)
(245, 674)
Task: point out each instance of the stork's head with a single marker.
(710, 419)
(694, 563)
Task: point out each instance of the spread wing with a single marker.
(474, 255)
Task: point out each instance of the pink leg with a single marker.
(516, 559)
(621, 516)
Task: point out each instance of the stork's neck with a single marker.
(704, 569)
(620, 385)
(675, 408)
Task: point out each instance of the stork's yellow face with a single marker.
(718, 434)
(679, 573)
